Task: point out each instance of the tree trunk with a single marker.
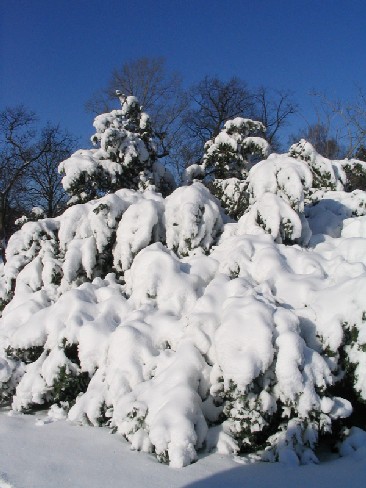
(2, 229)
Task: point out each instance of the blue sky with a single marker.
(55, 53)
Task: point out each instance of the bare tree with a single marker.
(43, 179)
(353, 113)
(361, 153)
(16, 155)
(21, 151)
(273, 109)
(346, 120)
(183, 122)
(213, 103)
(319, 135)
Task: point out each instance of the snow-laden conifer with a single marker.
(126, 156)
(226, 161)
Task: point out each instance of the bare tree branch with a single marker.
(28, 163)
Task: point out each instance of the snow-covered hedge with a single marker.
(184, 330)
(91, 239)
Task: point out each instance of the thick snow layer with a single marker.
(87, 162)
(333, 208)
(119, 225)
(272, 215)
(183, 333)
(192, 219)
(37, 452)
(281, 175)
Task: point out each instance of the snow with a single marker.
(139, 226)
(181, 330)
(180, 335)
(238, 323)
(229, 154)
(244, 339)
(270, 214)
(125, 157)
(281, 175)
(192, 218)
(53, 454)
(244, 126)
(326, 174)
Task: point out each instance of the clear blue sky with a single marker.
(55, 53)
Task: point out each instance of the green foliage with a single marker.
(287, 231)
(68, 385)
(233, 196)
(104, 415)
(71, 351)
(321, 168)
(226, 161)
(125, 158)
(356, 176)
(248, 423)
(100, 208)
(26, 355)
(228, 154)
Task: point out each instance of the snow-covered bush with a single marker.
(193, 219)
(35, 214)
(229, 154)
(345, 174)
(325, 174)
(226, 161)
(355, 171)
(232, 194)
(285, 189)
(234, 340)
(277, 188)
(183, 330)
(126, 157)
(89, 240)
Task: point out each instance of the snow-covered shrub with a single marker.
(193, 219)
(183, 330)
(126, 157)
(140, 225)
(332, 209)
(233, 195)
(32, 259)
(271, 214)
(286, 177)
(345, 174)
(291, 394)
(243, 346)
(290, 196)
(325, 174)
(277, 188)
(226, 161)
(355, 171)
(229, 153)
(35, 214)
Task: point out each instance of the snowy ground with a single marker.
(36, 454)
